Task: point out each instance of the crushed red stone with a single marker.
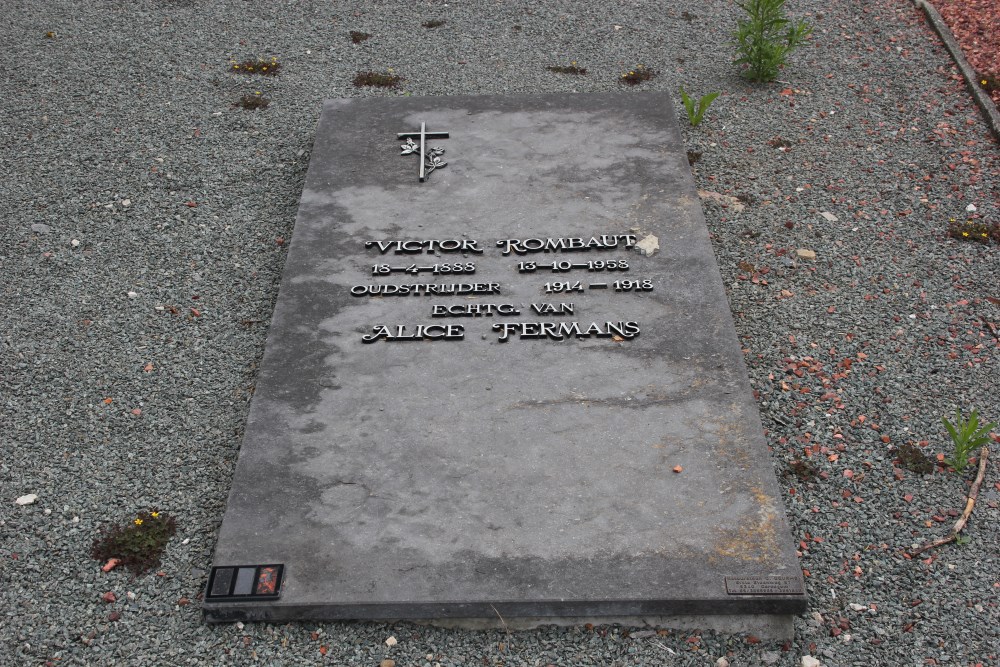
(976, 26)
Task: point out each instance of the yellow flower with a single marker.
(965, 233)
(138, 522)
(236, 66)
(154, 514)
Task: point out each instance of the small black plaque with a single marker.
(764, 586)
(245, 582)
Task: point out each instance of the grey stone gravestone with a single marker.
(486, 393)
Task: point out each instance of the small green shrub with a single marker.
(696, 113)
(139, 544)
(967, 436)
(766, 37)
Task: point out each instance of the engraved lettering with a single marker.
(564, 330)
(413, 246)
(604, 242)
(425, 289)
(400, 332)
(552, 309)
(474, 310)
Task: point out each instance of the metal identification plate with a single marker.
(764, 586)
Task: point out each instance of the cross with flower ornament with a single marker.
(430, 157)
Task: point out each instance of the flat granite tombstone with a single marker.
(485, 393)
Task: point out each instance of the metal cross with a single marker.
(430, 159)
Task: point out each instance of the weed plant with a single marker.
(139, 544)
(696, 112)
(976, 231)
(636, 76)
(257, 66)
(966, 436)
(765, 38)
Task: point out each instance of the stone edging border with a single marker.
(985, 102)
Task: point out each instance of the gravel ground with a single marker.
(976, 26)
(142, 214)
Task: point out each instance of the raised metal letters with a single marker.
(764, 586)
(425, 289)
(430, 158)
(564, 330)
(549, 330)
(420, 332)
(577, 244)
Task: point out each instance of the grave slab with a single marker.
(504, 385)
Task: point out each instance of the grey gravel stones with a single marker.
(891, 321)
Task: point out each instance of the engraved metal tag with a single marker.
(764, 586)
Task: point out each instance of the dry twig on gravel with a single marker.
(969, 504)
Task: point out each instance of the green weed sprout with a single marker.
(766, 37)
(697, 113)
(967, 436)
(138, 544)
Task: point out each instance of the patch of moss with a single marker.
(803, 469)
(253, 102)
(913, 459)
(570, 69)
(377, 79)
(139, 544)
(636, 76)
(260, 66)
(358, 37)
